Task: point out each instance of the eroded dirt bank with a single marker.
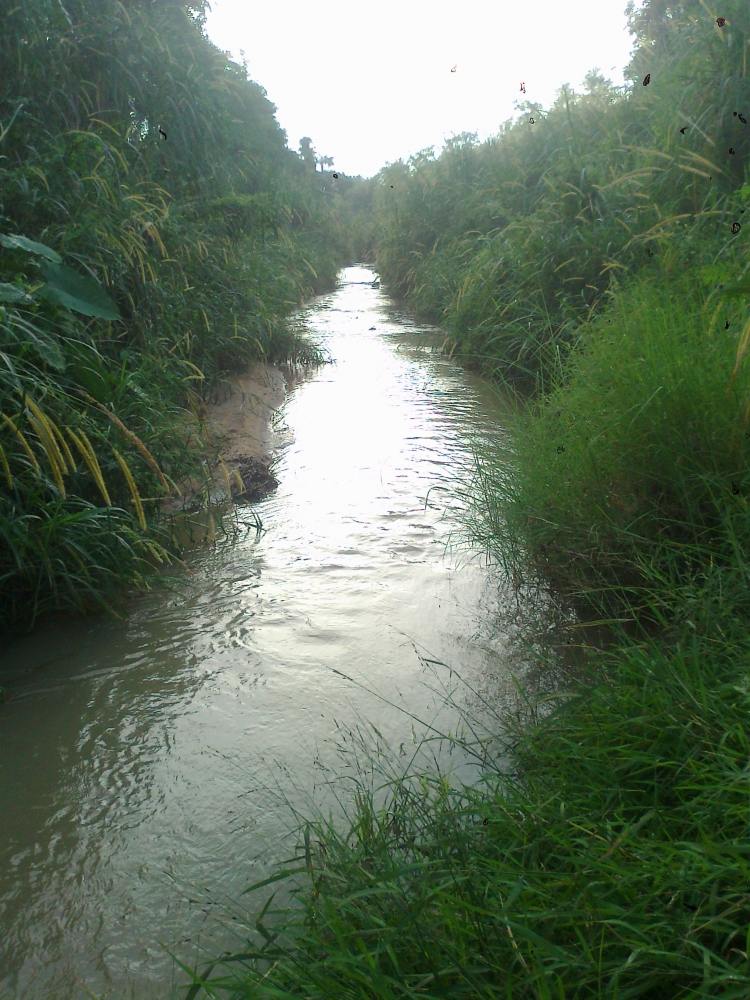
(236, 428)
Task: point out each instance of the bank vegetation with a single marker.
(156, 232)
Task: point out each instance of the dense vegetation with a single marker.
(513, 242)
(155, 231)
(592, 258)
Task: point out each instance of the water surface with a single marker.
(145, 762)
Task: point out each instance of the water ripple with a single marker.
(146, 761)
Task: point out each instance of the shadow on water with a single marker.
(148, 763)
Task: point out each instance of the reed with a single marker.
(512, 243)
(133, 270)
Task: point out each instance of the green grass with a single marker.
(612, 862)
(631, 474)
(512, 243)
(146, 270)
(74, 555)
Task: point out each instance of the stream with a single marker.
(148, 764)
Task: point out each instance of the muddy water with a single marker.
(144, 764)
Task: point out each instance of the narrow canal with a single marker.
(145, 763)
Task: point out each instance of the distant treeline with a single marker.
(155, 230)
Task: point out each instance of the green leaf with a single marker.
(48, 351)
(29, 335)
(16, 242)
(77, 291)
(12, 293)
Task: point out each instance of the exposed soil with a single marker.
(237, 427)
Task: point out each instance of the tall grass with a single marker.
(164, 265)
(608, 862)
(513, 242)
(634, 467)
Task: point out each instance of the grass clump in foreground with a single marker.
(613, 861)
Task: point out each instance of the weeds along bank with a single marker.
(156, 231)
(612, 860)
(611, 863)
(513, 242)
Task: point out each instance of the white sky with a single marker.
(371, 82)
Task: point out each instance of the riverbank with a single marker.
(237, 434)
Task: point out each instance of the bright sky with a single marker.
(372, 82)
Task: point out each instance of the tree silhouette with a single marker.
(307, 151)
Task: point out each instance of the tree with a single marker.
(307, 151)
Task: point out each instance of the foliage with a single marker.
(512, 242)
(156, 230)
(635, 462)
